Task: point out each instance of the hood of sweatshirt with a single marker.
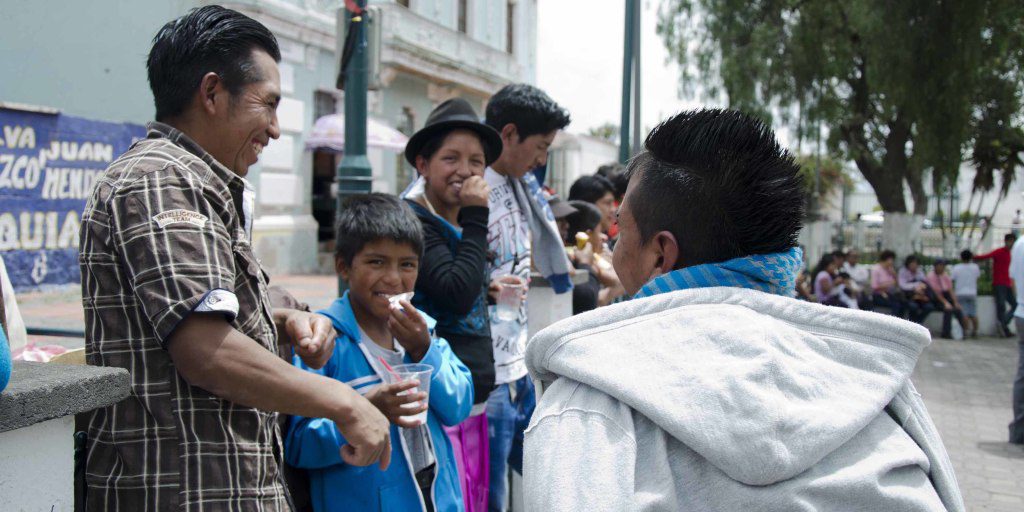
(762, 386)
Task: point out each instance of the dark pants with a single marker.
(1017, 425)
(894, 301)
(1004, 296)
(947, 316)
(917, 312)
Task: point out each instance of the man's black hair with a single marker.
(966, 255)
(719, 181)
(530, 109)
(886, 254)
(912, 258)
(366, 218)
(590, 189)
(209, 38)
(1010, 237)
(620, 181)
(585, 218)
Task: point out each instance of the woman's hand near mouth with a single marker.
(474, 192)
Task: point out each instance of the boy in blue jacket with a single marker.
(379, 242)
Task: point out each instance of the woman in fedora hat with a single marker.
(450, 154)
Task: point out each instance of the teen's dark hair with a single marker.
(585, 218)
(886, 255)
(910, 259)
(719, 181)
(206, 39)
(366, 218)
(966, 255)
(590, 189)
(826, 260)
(530, 109)
(610, 169)
(1010, 237)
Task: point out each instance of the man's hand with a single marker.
(368, 434)
(408, 327)
(390, 401)
(311, 334)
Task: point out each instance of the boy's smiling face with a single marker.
(381, 269)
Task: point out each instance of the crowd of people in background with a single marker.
(909, 291)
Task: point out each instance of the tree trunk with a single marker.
(900, 232)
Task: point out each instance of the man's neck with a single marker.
(500, 167)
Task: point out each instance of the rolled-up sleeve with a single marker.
(175, 247)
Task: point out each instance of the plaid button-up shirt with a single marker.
(166, 233)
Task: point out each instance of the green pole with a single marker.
(354, 173)
(627, 82)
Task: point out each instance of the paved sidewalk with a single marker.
(966, 386)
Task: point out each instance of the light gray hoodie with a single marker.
(726, 399)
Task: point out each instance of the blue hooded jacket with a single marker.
(315, 443)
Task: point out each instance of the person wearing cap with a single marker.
(450, 198)
(561, 210)
(942, 284)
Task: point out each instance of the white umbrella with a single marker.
(329, 134)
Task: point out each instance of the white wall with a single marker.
(37, 467)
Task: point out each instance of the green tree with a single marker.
(901, 86)
(606, 131)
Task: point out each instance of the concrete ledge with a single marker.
(41, 391)
(538, 280)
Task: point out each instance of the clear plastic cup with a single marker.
(510, 297)
(418, 372)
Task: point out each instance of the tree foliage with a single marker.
(606, 131)
(905, 88)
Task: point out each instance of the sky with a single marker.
(579, 62)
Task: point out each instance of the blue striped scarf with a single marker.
(770, 273)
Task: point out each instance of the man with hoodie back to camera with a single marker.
(714, 390)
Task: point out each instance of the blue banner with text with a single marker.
(48, 164)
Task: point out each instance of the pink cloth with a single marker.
(471, 446)
(882, 279)
(940, 284)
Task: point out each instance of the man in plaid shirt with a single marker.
(173, 293)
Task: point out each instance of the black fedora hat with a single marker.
(454, 114)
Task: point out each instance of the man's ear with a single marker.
(209, 89)
(667, 249)
(509, 132)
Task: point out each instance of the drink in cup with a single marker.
(510, 297)
(418, 372)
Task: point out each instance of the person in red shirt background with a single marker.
(1002, 285)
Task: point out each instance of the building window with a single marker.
(403, 3)
(510, 9)
(463, 7)
(324, 103)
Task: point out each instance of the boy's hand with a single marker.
(312, 336)
(388, 400)
(474, 192)
(408, 327)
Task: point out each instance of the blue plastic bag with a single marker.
(5, 360)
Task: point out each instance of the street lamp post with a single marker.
(627, 82)
(354, 173)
